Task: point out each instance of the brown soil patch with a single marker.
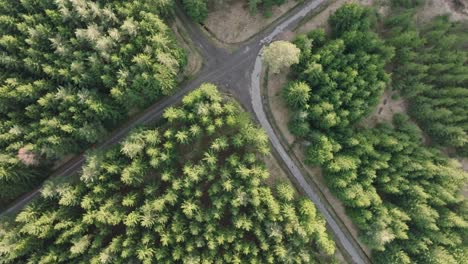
(385, 110)
(458, 9)
(232, 22)
(276, 83)
(277, 174)
(62, 161)
(464, 163)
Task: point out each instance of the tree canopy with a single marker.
(345, 72)
(188, 191)
(431, 69)
(404, 197)
(69, 70)
(280, 54)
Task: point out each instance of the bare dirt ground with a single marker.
(458, 9)
(232, 22)
(277, 174)
(194, 59)
(464, 163)
(276, 83)
(385, 110)
(62, 161)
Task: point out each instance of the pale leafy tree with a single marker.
(280, 54)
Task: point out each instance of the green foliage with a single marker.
(196, 9)
(157, 200)
(280, 54)
(297, 94)
(430, 68)
(404, 197)
(345, 73)
(351, 17)
(70, 70)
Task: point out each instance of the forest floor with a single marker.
(458, 9)
(231, 22)
(386, 109)
(277, 173)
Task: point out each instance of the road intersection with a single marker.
(237, 73)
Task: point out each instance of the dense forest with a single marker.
(190, 190)
(339, 77)
(431, 70)
(403, 196)
(69, 70)
(198, 9)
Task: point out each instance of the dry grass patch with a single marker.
(458, 10)
(232, 22)
(279, 109)
(277, 174)
(194, 59)
(386, 108)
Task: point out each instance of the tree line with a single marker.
(190, 190)
(69, 71)
(403, 196)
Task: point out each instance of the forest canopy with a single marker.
(344, 72)
(404, 197)
(69, 70)
(431, 69)
(191, 190)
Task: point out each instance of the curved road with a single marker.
(239, 74)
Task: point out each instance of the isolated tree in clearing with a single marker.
(280, 54)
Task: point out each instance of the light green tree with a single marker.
(280, 54)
